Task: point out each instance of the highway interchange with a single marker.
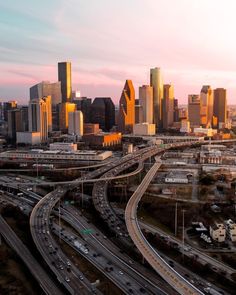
(42, 233)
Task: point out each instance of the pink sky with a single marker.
(193, 41)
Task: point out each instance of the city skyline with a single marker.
(190, 54)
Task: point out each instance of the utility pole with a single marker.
(176, 218)
(59, 211)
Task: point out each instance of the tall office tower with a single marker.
(103, 113)
(13, 123)
(126, 117)
(157, 84)
(64, 110)
(176, 110)
(84, 105)
(138, 114)
(168, 106)
(7, 106)
(46, 88)
(38, 117)
(146, 101)
(17, 121)
(194, 110)
(206, 101)
(76, 123)
(64, 76)
(220, 106)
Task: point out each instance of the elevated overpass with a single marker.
(173, 278)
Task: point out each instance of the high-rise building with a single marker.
(157, 85)
(168, 106)
(84, 105)
(138, 114)
(206, 101)
(45, 88)
(103, 113)
(7, 106)
(38, 113)
(13, 123)
(64, 76)
(76, 123)
(194, 110)
(76, 95)
(220, 106)
(146, 101)
(126, 116)
(176, 110)
(64, 110)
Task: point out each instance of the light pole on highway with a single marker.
(176, 218)
(183, 211)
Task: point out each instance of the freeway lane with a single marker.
(154, 259)
(37, 271)
(51, 252)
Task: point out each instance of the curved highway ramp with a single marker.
(173, 278)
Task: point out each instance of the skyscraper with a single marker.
(168, 106)
(76, 123)
(84, 105)
(64, 76)
(206, 101)
(157, 85)
(7, 106)
(220, 106)
(46, 88)
(38, 113)
(127, 108)
(64, 110)
(176, 110)
(194, 110)
(103, 113)
(146, 101)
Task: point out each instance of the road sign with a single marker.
(87, 231)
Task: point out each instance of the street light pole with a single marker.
(183, 234)
(176, 218)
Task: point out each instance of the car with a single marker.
(61, 266)
(67, 279)
(121, 272)
(68, 263)
(81, 278)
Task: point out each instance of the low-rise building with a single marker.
(103, 139)
(218, 232)
(231, 229)
(28, 138)
(204, 131)
(177, 177)
(33, 155)
(144, 129)
(63, 146)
